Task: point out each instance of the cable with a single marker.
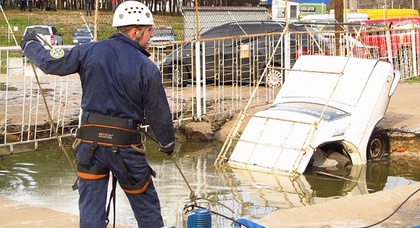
(394, 210)
(193, 198)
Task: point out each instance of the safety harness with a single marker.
(100, 130)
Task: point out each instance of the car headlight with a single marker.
(75, 41)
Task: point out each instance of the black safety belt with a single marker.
(113, 199)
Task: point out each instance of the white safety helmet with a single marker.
(132, 13)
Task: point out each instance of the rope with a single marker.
(193, 198)
(52, 121)
(45, 101)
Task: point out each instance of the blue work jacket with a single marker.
(118, 79)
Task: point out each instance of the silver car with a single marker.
(50, 34)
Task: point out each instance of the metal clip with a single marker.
(115, 148)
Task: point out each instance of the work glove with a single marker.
(30, 37)
(168, 149)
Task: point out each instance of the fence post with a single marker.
(198, 78)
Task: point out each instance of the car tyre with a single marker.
(274, 78)
(378, 145)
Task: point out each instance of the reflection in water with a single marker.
(43, 178)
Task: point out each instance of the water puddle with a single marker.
(44, 178)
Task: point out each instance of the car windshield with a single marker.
(38, 30)
(84, 31)
(162, 32)
(312, 109)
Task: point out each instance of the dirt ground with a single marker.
(402, 119)
(404, 111)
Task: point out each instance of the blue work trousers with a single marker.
(93, 193)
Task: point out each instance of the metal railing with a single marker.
(213, 78)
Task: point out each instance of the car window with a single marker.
(305, 37)
(54, 30)
(84, 31)
(237, 30)
(162, 32)
(317, 110)
(38, 30)
(262, 28)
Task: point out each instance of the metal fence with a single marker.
(24, 120)
(208, 78)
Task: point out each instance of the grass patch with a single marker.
(67, 21)
(413, 80)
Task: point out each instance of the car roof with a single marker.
(84, 28)
(33, 26)
(244, 28)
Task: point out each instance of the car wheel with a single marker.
(378, 145)
(180, 76)
(274, 77)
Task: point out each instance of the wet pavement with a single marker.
(354, 211)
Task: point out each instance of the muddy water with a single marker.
(44, 178)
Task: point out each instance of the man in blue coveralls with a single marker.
(122, 89)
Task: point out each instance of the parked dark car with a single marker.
(83, 35)
(239, 53)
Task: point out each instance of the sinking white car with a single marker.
(328, 104)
